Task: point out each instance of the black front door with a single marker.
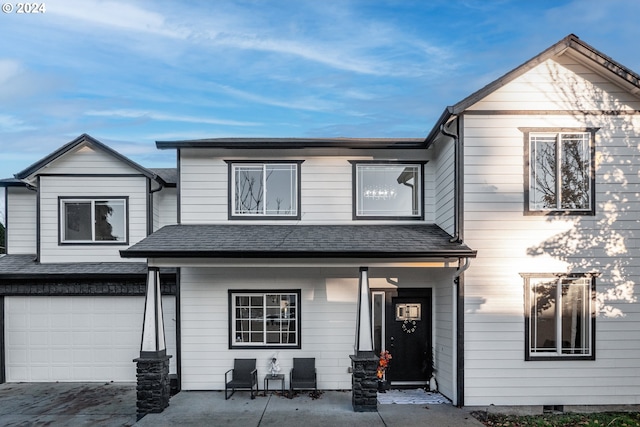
(408, 336)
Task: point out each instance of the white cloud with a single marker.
(10, 123)
(118, 15)
(151, 115)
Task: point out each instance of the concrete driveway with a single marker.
(114, 405)
(68, 404)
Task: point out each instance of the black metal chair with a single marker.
(303, 374)
(244, 375)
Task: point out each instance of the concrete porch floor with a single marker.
(113, 404)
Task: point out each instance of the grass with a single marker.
(604, 419)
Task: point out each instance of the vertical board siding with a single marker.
(21, 221)
(52, 187)
(510, 243)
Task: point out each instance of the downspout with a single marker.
(458, 280)
(150, 202)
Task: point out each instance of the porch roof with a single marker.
(299, 241)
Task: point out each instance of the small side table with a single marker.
(269, 377)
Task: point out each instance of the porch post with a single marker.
(152, 373)
(364, 363)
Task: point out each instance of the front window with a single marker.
(265, 319)
(93, 220)
(264, 190)
(560, 317)
(560, 177)
(388, 190)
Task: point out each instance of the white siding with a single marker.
(86, 160)
(328, 305)
(53, 187)
(165, 208)
(444, 194)
(559, 84)
(328, 315)
(509, 243)
(21, 221)
(326, 190)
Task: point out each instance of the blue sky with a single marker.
(132, 72)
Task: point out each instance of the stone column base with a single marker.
(154, 387)
(364, 383)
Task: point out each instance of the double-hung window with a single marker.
(264, 319)
(264, 190)
(560, 320)
(560, 176)
(88, 220)
(387, 190)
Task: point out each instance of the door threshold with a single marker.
(408, 383)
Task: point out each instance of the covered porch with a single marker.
(349, 292)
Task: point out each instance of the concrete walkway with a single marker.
(333, 409)
(114, 405)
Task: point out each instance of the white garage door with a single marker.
(77, 338)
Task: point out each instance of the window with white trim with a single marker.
(560, 176)
(264, 319)
(387, 190)
(560, 316)
(264, 190)
(84, 220)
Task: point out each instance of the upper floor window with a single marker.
(86, 220)
(560, 316)
(264, 190)
(387, 190)
(561, 172)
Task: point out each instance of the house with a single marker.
(71, 307)
(497, 252)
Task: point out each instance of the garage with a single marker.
(77, 338)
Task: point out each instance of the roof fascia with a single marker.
(89, 140)
(295, 143)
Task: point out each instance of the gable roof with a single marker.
(88, 140)
(571, 45)
(299, 241)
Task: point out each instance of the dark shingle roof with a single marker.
(298, 241)
(169, 175)
(17, 266)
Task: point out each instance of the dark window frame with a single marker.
(62, 221)
(354, 189)
(232, 293)
(527, 132)
(258, 217)
(528, 356)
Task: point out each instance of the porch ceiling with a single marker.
(419, 241)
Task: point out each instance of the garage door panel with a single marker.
(77, 338)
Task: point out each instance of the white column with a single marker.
(153, 341)
(364, 336)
